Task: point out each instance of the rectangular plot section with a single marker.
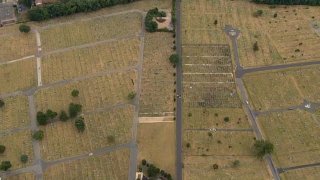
(17, 144)
(206, 68)
(16, 76)
(305, 173)
(200, 50)
(96, 29)
(15, 113)
(216, 60)
(95, 92)
(295, 135)
(24, 176)
(89, 60)
(218, 143)
(113, 165)
(17, 45)
(208, 78)
(115, 123)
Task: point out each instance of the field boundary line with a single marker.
(13, 130)
(219, 82)
(17, 60)
(209, 73)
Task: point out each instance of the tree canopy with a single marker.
(263, 147)
(289, 2)
(24, 28)
(5, 165)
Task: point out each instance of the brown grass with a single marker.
(312, 173)
(23, 176)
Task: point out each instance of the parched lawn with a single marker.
(88, 31)
(157, 145)
(17, 144)
(312, 173)
(99, 126)
(295, 135)
(23, 176)
(114, 165)
(201, 168)
(15, 113)
(90, 60)
(17, 76)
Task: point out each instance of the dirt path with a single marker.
(38, 56)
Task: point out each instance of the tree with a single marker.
(24, 158)
(1, 103)
(255, 46)
(226, 119)
(24, 28)
(262, 148)
(131, 95)
(174, 59)
(38, 135)
(5, 165)
(236, 163)
(75, 93)
(51, 114)
(80, 125)
(74, 109)
(153, 171)
(42, 118)
(63, 116)
(2, 149)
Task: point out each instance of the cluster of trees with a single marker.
(262, 148)
(153, 172)
(174, 59)
(69, 7)
(150, 24)
(5, 165)
(289, 2)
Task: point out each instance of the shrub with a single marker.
(2, 149)
(255, 46)
(174, 59)
(153, 171)
(189, 114)
(263, 147)
(210, 134)
(63, 116)
(24, 28)
(226, 119)
(1, 103)
(111, 139)
(75, 93)
(38, 135)
(258, 13)
(42, 118)
(215, 166)
(24, 158)
(80, 125)
(188, 145)
(236, 163)
(74, 109)
(275, 15)
(143, 162)
(51, 114)
(215, 22)
(5, 165)
(131, 95)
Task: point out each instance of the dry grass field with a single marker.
(17, 76)
(15, 113)
(218, 143)
(157, 91)
(16, 45)
(312, 173)
(16, 145)
(157, 145)
(23, 176)
(114, 165)
(99, 126)
(283, 88)
(295, 135)
(96, 92)
(89, 31)
(198, 118)
(278, 38)
(201, 168)
(89, 60)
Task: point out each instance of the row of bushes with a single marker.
(70, 7)
(289, 2)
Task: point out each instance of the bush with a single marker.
(24, 28)
(1, 103)
(75, 93)
(215, 166)
(74, 109)
(143, 162)
(24, 158)
(215, 22)
(263, 147)
(131, 95)
(42, 118)
(174, 59)
(189, 114)
(63, 116)
(2, 149)
(80, 125)
(5, 165)
(258, 13)
(153, 171)
(111, 139)
(38, 135)
(236, 163)
(275, 15)
(255, 46)
(51, 114)
(226, 119)
(210, 134)
(188, 145)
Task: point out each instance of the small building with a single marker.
(7, 15)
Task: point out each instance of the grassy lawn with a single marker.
(294, 135)
(88, 31)
(17, 76)
(114, 165)
(201, 168)
(89, 60)
(99, 126)
(17, 144)
(157, 73)
(14, 113)
(157, 145)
